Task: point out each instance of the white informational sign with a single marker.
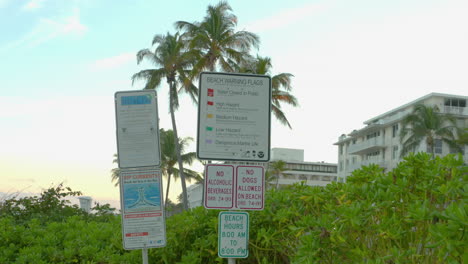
(234, 117)
(137, 129)
(234, 187)
(233, 236)
(143, 221)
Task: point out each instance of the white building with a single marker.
(311, 173)
(195, 195)
(297, 170)
(379, 141)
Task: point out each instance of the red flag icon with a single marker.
(210, 92)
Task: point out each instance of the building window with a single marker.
(437, 147)
(394, 130)
(395, 152)
(353, 160)
(372, 135)
(455, 102)
(341, 149)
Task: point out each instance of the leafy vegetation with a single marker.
(416, 213)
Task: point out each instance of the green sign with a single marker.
(233, 236)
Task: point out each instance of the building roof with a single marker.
(403, 107)
(375, 122)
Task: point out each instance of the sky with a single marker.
(62, 61)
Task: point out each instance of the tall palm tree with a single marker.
(277, 168)
(173, 63)
(280, 85)
(427, 123)
(169, 158)
(115, 172)
(215, 40)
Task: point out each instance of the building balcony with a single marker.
(358, 165)
(369, 145)
(454, 110)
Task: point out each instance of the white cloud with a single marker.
(33, 5)
(284, 18)
(113, 62)
(48, 29)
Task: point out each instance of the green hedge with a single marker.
(416, 213)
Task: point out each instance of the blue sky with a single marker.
(62, 61)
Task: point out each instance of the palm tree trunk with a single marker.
(167, 189)
(176, 143)
(277, 180)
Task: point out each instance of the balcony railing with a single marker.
(366, 146)
(455, 110)
(358, 165)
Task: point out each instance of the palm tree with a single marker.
(215, 40)
(277, 168)
(427, 123)
(169, 158)
(280, 85)
(115, 172)
(173, 63)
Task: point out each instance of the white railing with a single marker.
(370, 143)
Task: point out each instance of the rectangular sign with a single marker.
(137, 129)
(233, 236)
(234, 187)
(250, 187)
(234, 117)
(219, 186)
(143, 220)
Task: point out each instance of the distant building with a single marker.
(311, 173)
(379, 141)
(297, 170)
(195, 195)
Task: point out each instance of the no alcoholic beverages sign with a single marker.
(234, 187)
(234, 117)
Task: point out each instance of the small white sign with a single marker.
(143, 222)
(234, 117)
(219, 186)
(250, 187)
(233, 236)
(234, 187)
(137, 129)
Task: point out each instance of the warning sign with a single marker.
(234, 187)
(143, 222)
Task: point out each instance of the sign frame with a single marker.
(141, 223)
(239, 85)
(211, 198)
(222, 242)
(137, 120)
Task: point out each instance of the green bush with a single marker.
(416, 213)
